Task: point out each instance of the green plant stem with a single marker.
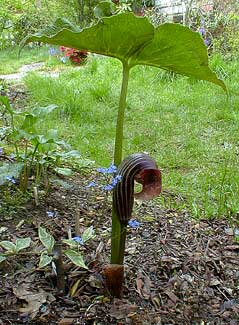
(120, 117)
(118, 234)
(14, 129)
(33, 155)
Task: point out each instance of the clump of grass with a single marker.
(188, 126)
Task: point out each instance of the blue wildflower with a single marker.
(111, 170)
(50, 214)
(63, 59)
(1, 151)
(92, 184)
(52, 51)
(116, 180)
(78, 239)
(11, 179)
(108, 187)
(207, 42)
(201, 31)
(134, 223)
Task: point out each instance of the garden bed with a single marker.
(177, 270)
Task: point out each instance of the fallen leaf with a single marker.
(214, 282)
(229, 231)
(74, 288)
(34, 300)
(171, 296)
(66, 321)
(121, 310)
(139, 286)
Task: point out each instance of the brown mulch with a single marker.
(177, 270)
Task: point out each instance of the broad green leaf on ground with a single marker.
(8, 245)
(88, 234)
(28, 123)
(70, 154)
(2, 258)
(46, 238)
(70, 242)
(42, 111)
(134, 40)
(63, 171)
(76, 258)
(22, 243)
(44, 260)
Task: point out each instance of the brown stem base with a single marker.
(114, 276)
(59, 269)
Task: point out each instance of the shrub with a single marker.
(77, 57)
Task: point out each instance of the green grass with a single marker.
(188, 126)
(10, 62)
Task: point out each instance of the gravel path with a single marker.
(24, 70)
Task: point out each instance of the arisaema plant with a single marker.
(134, 41)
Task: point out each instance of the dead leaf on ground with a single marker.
(121, 310)
(34, 300)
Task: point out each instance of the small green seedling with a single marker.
(35, 153)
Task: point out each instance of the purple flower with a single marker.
(50, 214)
(207, 42)
(11, 179)
(134, 223)
(1, 151)
(92, 184)
(111, 170)
(78, 239)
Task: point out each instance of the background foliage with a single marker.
(220, 24)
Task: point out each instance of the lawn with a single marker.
(188, 126)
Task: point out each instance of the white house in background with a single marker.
(175, 10)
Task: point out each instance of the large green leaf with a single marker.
(177, 48)
(117, 36)
(134, 40)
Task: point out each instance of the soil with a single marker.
(177, 270)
